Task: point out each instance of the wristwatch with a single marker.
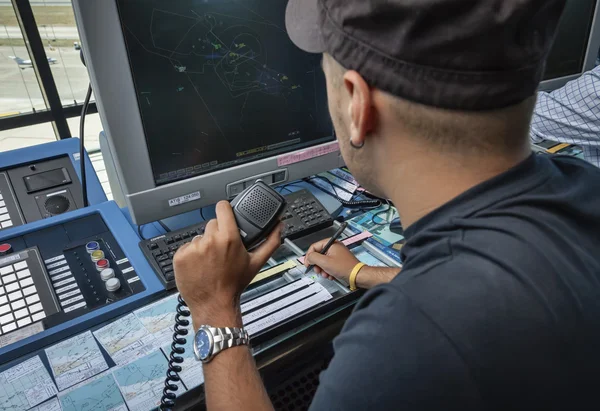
(209, 341)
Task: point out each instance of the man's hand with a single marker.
(338, 262)
(212, 271)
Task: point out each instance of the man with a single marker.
(571, 114)
(498, 303)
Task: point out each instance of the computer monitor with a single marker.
(201, 98)
(576, 46)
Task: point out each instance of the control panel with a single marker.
(303, 215)
(41, 182)
(56, 275)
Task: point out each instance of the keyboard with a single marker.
(304, 215)
(24, 296)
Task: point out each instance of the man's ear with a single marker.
(360, 109)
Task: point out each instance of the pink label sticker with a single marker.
(350, 241)
(287, 159)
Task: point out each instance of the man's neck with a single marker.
(422, 183)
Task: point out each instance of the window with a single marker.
(18, 81)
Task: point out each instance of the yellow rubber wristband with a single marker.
(353, 275)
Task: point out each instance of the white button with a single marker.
(10, 327)
(2, 204)
(9, 278)
(35, 307)
(6, 224)
(1, 290)
(21, 313)
(18, 304)
(12, 287)
(38, 316)
(75, 307)
(5, 319)
(32, 299)
(3, 210)
(24, 321)
(4, 217)
(6, 270)
(1, 198)
(5, 309)
(107, 274)
(3, 300)
(63, 282)
(26, 282)
(30, 290)
(21, 265)
(23, 274)
(113, 285)
(15, 296)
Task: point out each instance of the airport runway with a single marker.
(55, 32)
(19, 92)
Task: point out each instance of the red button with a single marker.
(5, 249)
(102, 264)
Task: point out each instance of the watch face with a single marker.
(203, 344)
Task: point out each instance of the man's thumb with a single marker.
(318, 259)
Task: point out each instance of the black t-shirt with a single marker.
(497, 306)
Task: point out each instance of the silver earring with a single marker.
(356, 147)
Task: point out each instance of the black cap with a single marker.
(454, 54)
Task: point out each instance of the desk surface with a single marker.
(289, 346)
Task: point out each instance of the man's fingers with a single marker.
(315, 248)
(211, 228)
(260, 256)
(317, 259)
(226, 218)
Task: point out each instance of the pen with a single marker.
(332, 240)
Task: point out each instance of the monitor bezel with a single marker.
(591, 55)
(111, 77)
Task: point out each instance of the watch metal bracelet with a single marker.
(228, 337)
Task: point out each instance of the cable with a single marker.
(202, 214)
(180, 330)
(346, 203)
(164, 226)
(84, 110)
(140, 231)
(377, 214)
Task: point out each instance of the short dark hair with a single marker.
(499, 131)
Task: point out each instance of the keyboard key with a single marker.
(166, 263)
(4, 217)
(185, 235)
(24, 321)
(21, 265)
(9, 278)
(6, 270)
(30, 290)
(18, 304)
(6, 224)
(2, 290)
(15, 296)
(10, 327)
(26, 282)
(171, 255)
(5, 309)
(177, 237)
(157, 253)
(162, 258)
(3, 300)
(23, 274)
(169, 240)
(39, 316)
(152, 246)
(167, 269)
(170, 276)
(32, 299)
(3, 210)
(21, 313)
(35, 308)
(6, 318)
